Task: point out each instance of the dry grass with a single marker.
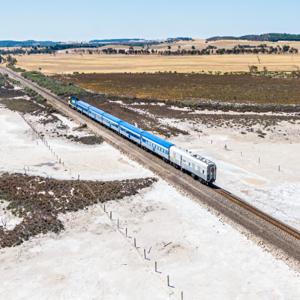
(69, 63)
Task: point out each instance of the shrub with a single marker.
(57, 87)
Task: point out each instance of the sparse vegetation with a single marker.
(193, 88)
(39, 201)
(58, 87)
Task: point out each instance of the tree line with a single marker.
(209, 50)
(146, 50)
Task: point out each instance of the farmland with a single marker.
(68, 63)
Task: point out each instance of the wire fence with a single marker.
(117, 224)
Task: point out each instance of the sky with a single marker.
(78, 20)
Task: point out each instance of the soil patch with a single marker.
(40, 200)
(7, 89)
(21, 105)
(86, 140)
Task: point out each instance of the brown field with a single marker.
(69, 63)
(192, 89)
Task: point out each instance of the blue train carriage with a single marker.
(111, 121)
(131, 132)
(96, 114)
(79, 105)
(156, 144)
(72, 101)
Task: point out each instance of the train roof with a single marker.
(111, 117)
(83, 104)
(193, 156)
(157, 139)
(97, 110)
(131, 127)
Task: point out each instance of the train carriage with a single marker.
(155, 144)
(83, 107)
(131, 132)
(111, 121)
(194, 164)
(96, 114)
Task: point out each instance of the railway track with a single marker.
(269, 229)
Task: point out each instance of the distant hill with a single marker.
(117, 41)
(29, 43)
(92, 43)
(59, 45)
(267, 37)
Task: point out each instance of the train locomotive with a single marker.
(199, 167)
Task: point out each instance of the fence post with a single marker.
(145, 255)
(155, 268)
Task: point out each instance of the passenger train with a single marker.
(194, 164)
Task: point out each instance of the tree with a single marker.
(11, 61)
(286, 48)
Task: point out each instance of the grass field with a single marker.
(69, 63)
(192, 88)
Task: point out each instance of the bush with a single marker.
(55, 86)
(253, 69)
(16, 69)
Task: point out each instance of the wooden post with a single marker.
(168, 282)
(145, 255)
(181, 295)
(156, 268)
(110, 215)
